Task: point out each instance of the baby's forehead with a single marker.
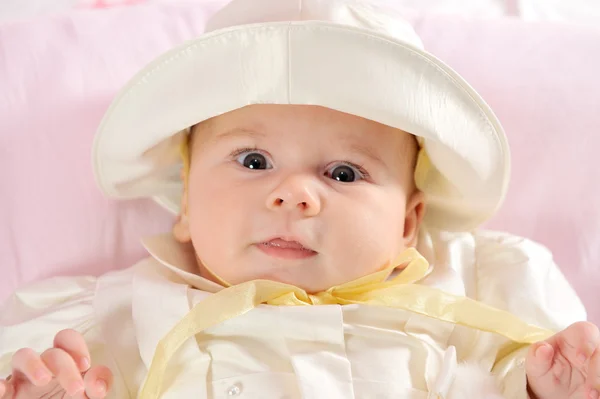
(287, 122)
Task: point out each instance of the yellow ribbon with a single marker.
(376, 289)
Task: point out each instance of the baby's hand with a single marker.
(62, 371)
(566, 366)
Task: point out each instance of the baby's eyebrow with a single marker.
(366, 151)
(238, 132)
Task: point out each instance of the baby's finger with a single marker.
(73, 343)
(27, 362)
(62, 365)
(539, 359)
(579, 341)
(594, 371)
(6, 389)
(98, 382)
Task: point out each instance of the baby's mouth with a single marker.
(285, 249)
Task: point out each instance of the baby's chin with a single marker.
(309, 281)
(306, 283)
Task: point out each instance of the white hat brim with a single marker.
(344, 68)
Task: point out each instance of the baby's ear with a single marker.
(181, 229)
(415, 210)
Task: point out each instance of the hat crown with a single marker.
(356, 13)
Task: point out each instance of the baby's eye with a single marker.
(345, 173)
(253, 160)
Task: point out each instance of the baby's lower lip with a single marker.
(285, 250)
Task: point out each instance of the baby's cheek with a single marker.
(370, 242)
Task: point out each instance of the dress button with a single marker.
(521, 363)
(234, 390)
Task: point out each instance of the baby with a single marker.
(281, 140)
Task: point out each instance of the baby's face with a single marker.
(299, 194)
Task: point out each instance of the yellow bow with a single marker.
(375, 289)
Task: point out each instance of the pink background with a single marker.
(58, 75)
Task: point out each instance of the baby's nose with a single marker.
(296, 193)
